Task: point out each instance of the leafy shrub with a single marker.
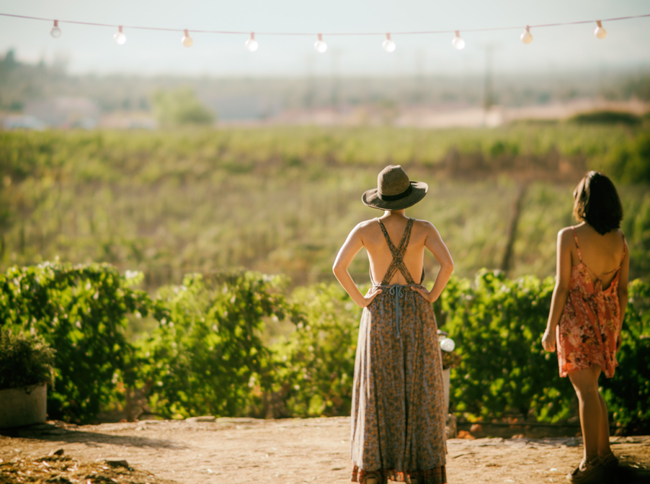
(24, 360)
(606, 117)
(207, 356)
(627, 394)
(315, 366)
(81, 312)
(497, 325)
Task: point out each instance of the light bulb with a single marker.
(251, 43)
(447, 345)
(458, 41)
(320, 45)
(187, 40)
(600, 31)
(119, 36)
(56, 31)
(527, 37)
(388, 44)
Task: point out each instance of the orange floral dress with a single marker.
(591, 321)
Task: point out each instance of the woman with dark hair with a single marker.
(398, 410)
(587, 311)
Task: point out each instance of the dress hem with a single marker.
(436, 475)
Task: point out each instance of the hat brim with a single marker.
(371, 198)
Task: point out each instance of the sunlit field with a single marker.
(282, 200)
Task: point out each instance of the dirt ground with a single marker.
(228, 450)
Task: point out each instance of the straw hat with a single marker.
(394, 190)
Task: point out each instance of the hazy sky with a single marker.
(92, 49)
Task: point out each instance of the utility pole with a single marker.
(310, 82)
(420, 60)
(488, 96)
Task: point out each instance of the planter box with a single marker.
(23, 406)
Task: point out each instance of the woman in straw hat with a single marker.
(398, 412)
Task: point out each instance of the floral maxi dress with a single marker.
(590, 322)
(398, 413)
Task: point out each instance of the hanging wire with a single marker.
(233, 32)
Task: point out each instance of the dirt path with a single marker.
(293, 451)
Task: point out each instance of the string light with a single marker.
(527, 37)
(187, 40)
(320, 44)
(458, 41)
(447, 345)
(56, 31)
(119, 36)
(251, 43)
(388, 44)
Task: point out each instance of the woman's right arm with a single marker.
(350, 248)
(561, 291)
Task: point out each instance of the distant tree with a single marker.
(638, 86)
(10, 58)
(180, 107)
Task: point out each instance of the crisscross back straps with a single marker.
(575, 237)
(398, 254)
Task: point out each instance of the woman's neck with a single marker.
(395, 213)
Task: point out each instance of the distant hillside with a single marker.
(259, 98)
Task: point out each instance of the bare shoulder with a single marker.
(425, 226)
(426, 230)
(365, 227)
(366, 224)
(565, 236)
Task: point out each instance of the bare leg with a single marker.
(585, 383)
(603, 435)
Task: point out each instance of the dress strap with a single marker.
(575, 237)
(398, 254)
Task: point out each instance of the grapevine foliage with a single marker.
(207, 356)
(81, 312)
(315, 365)
(210, 354)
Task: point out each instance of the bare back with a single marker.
(601, 254)
(379, 252)
(408, 262)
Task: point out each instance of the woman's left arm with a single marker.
(561, 291)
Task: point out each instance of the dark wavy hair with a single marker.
(596, 202)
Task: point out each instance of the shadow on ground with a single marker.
(626, 475)
(56, 433)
